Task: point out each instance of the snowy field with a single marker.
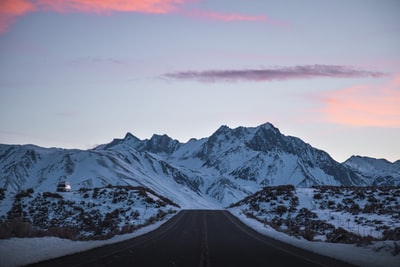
(85, 219)
(43, 248)
(376, 255)
(369, 218)
(311, 218)
(52, 247)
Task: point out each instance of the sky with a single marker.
(79, 73)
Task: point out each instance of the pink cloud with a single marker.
(363, 105)
(218, 16)
(101, 6)
(11, 9)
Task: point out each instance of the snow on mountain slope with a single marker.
(240, 161)
(24, 167)
(209, 172)
(375, 171)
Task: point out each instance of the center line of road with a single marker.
(204, 259)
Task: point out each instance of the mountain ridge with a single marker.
(217, 170)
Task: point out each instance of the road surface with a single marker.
(199, 238)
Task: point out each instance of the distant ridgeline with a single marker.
(221, 169)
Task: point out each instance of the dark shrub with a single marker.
(391, 234)
(281, 209)
(317, 196)
(52, 195)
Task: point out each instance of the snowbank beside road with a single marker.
(22, 251)
(376, 255)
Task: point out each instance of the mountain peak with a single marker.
(222, 129)
(161, 144)
(267, 125)
(266, 137)
(160, 136)
(129, 139)
(364, 161)
(129, 136)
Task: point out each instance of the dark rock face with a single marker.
(160, 144)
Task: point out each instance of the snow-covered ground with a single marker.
(39, 249)
(98, 213)
(22, 251)
(355, 224)
(366, 215)
(376, 255)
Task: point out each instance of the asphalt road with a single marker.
(199, 238)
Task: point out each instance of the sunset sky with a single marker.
(78, 73)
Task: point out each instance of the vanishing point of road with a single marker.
(198, 238)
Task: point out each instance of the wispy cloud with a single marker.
(98, 61)
(10, 10)
(276, 73)
(104, 6)
(362, 105)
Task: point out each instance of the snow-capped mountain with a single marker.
(375, 171)
(218, 170)
(24, 167)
